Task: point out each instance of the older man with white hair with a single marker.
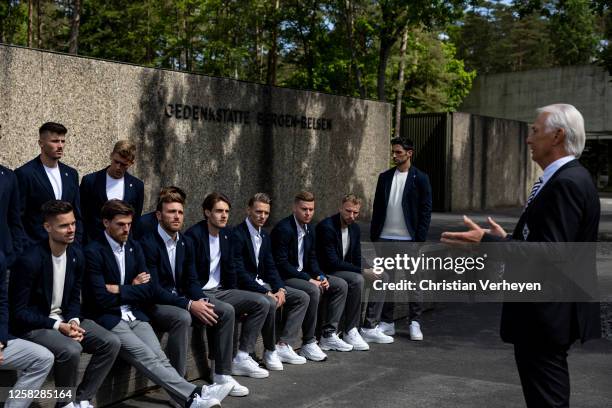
(563, 206)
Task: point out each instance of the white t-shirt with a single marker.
(114, 188)
(59, 278)
(214, 277)
(55, 178)
(395, 225)
(346, 241)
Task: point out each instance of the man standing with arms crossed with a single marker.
(401, 214)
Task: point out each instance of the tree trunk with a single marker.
(400, 83)
(272, 54)
(350, 29)
(30, 21)
(38, 25)
(74, 28)
(383, 59)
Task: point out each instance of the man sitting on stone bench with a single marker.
(170, 259)
(219, 283)
(45, 293)
(252, 257)
(117, 290)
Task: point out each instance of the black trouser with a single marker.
(544, 375)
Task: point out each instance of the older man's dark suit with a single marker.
(35, 189)
(93, 197)
(12, 236)
(566, 209)
(31, 294)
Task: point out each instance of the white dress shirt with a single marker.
(170, 249)
(256, 239)
(214, 276)
(395, 224)
(119, 252)
(55, 178)
(114, 188)
(301, 233)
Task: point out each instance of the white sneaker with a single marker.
(415, 331)
(216, 391)
(375, 336)
(286, 355)
(387, 328)
(69, 405)
(354, 339)
(237, 391)
(311, 351)
(333, 342)
(272, 361)
(83, 404)
(208, 402)
(248, 367)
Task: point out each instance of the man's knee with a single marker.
(225, 312)
(70, 352)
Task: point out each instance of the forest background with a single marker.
(422, 56)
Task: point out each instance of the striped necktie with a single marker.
(534, 191)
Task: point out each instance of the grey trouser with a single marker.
(376, 300)
(176, 322)
(97, 341)
(140, 348)
(249, 303)
(352, 308)
(32, 363)
(295, 308)
(220, 335)
(335, 295)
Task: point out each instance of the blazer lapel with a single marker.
(164, 254)
(66, 185)
(178, 259)
(206, 242)
(409, 184)
(338, 230)
(245, 228)
(100, 185)
(48, 277)
(69, 278)
(113, 263)
(41, 175)
(129, 263)
(128, 188)
(388, 182)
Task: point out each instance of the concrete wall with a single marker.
(101, 102)
(516, 95)
(490, 163)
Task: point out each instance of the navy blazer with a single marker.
(566, 209)
(103, 306)
(199, 236)
(93, 197)
(158, 265)
(243, 259)
(4, 314)
(329, 246)
(416, 204)
(285, 249)
(31, 288)
(12, 236)
(35, 190)
(144, 225)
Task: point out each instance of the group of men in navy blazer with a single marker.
(209, 276)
